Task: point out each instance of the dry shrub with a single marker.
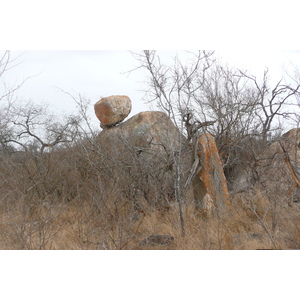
(104, 223)
(63, 200)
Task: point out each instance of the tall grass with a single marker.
(82, 224)
(61, 200)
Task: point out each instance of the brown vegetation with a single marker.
(57, 201)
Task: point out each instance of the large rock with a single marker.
(210, 186)
(278, 167)
(112, 110)
(139, 156)
(144, 131)
(293, 136)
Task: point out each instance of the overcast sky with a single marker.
(96, 74)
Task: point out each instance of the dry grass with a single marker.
(70, 205)
(82, 224)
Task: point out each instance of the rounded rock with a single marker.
(112, 110)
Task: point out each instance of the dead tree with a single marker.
(173, 89)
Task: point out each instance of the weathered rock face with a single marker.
(145, 130)
(210, 187)
(139, 155)
(112, 110)
(292, 136)
(279, 165)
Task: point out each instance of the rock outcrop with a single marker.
(139, 155)
(142, 157)
(293, 136)
(152, 129)
(210, 186)
(112, 110)
(279, 166)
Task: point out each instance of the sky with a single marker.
(101, 73)
(93, 74)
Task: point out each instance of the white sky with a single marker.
(96, 74)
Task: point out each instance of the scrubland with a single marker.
(59, 201)
(59, 190)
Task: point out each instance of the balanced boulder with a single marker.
(148, 158)
(112, 110)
